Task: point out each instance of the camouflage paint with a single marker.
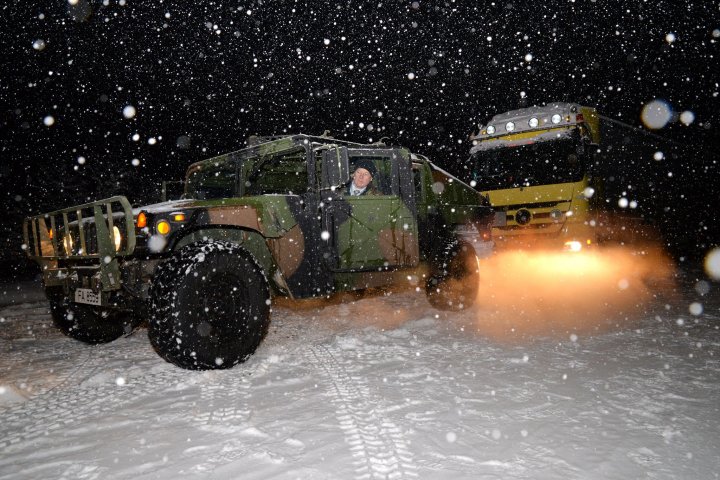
(316, 241)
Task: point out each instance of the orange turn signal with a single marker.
(178, 217)
(141, 220)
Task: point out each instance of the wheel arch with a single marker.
(250, 240)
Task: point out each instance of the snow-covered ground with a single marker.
(591, 378)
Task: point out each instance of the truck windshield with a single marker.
(543, 163)
(216, 180)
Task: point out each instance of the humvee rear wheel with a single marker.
(210, 306)
(87, 323)
(454, 280)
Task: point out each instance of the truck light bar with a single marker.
(532, 118)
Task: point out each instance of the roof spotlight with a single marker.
(556, 118)
(490, 129)
(509, 126)
(533, 122)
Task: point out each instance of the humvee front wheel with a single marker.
(87, 323)
(210, 306)
(454, 280)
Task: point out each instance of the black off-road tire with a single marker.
(210, 306)
(454, 278)
(87, 323)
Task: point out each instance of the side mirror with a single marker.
(335, 167)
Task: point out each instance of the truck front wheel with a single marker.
(454, 280)
(87, 323)
(210, 306)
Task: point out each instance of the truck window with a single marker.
(541, 163)
(383, 166)
(214, 180)
(279, 174)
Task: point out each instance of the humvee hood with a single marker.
(165, 207)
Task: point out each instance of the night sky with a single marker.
(110, 97)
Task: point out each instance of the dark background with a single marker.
(202, 76)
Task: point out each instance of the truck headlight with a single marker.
(573, 246)
(117, 238)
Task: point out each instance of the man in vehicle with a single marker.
(362, 178)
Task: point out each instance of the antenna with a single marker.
(641, 131)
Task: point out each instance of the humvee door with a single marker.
(379, 231)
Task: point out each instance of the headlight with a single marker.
(533, 122)
(490, 129)
(117, 238)
(509, 126)
(556, 118)
(573, 246)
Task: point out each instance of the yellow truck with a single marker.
(536, 165)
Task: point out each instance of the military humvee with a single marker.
(271, 219)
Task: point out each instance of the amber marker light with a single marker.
(178, 217)
(163, 227)
(141, 221)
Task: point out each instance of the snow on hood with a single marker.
(165, 207)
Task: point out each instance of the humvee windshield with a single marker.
(213, 180)
(277, 174)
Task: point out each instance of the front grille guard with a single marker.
(83, 234)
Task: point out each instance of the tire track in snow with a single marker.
(223, 401)
(225, 397)
(376, 443)
(50, 347)
(64, 408)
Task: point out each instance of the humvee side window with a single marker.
(278, 174)
(382, 180)
(212, 181)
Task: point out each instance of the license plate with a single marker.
(85, 295)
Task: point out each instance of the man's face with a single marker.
(361, 178)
